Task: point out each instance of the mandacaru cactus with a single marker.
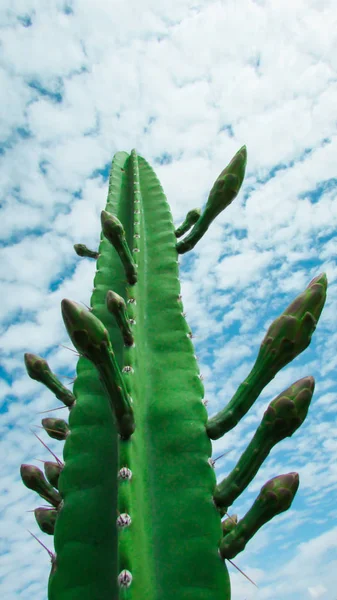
(134, 506)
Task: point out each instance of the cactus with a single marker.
(134, 508)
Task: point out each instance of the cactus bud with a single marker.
(285, 339)
(228, 524)
(34, 479)
(275, 497)
(52, 471)
(56, 428)
(114, 231)
(223, 192)
(38, 369)
(46, 519)
(82, 250)
(191, 218)
(282, 418)
(91, 339)
(116, 305)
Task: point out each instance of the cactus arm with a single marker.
(223, 192)
(284, 415)
(285, 339)
(275, 497)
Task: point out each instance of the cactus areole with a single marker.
(134, 506)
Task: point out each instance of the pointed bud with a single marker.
(282, 418)
(116, 305)
(34, 479)
(285, 339)
(46, 519)
(113, 230)
(56, 428)
(228, 524)
(82, 250)
(52, 471)
(38, 369)
(223, 192)
(191, 218)
(275, 497)
(90, 337)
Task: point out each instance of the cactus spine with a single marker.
(135, 509)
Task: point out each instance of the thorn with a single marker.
(72, 350)
(86, 306)
(51, 554)
(50, 410)
(244, 574)
(59, 462)
(221, 455)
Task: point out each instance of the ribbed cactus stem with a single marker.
(91, 339)
(56, 428)
(284, 415)
(275, 497)
(34, 479)
(285, 339)
(38, 369)
(191, 218)
(222, 194)
(114, 231)
(46, 519)
(116, 305)
(82, 250)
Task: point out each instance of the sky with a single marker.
(186, 83)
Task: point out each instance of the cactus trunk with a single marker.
(138, 517)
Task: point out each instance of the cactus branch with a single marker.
(285, 339)
(275, 497)
(82, 250)
(38, 369)
(91, 339)
(222, 194)
(284, 415)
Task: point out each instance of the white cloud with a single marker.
(187, 84)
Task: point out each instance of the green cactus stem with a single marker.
(114, 231)
(222, 194)
(284, 415)
(38, 369)
(136, 517)
(34, 479)
(116, 305)
(285, 339)
(191, 218)
(91, 339)
(52, 471)
(82, 250)
(56, 428)
(275, 497)
(46, 519)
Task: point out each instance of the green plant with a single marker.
(135, 509)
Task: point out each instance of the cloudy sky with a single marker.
(186, 83)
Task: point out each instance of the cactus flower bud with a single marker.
(56, 428)
(276, 496)
(46, 519)
(34, 479)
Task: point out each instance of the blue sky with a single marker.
(186, 84)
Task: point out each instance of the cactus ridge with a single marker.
(135, 509)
